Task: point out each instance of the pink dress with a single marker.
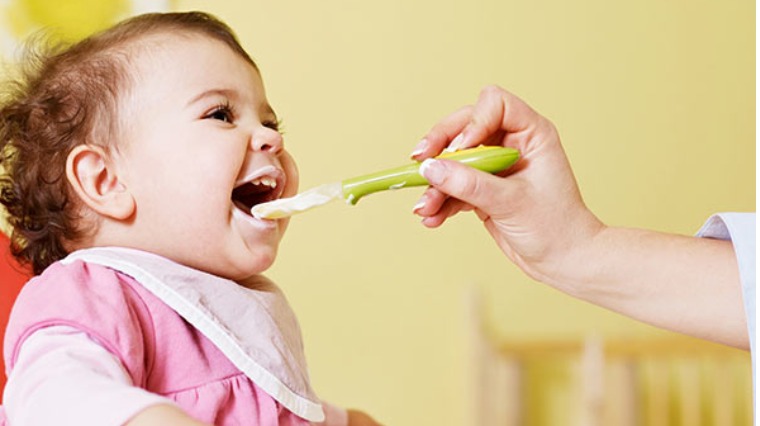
(225, 354)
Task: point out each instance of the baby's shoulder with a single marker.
(75, 283)
(91, 298)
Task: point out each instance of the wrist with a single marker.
(571, 265)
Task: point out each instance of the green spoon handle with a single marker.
(491, 159)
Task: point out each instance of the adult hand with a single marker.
(534, 211)
(536, 215)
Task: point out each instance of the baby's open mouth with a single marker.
(258, 190)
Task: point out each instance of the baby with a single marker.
(132, 160)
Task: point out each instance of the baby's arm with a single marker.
(360, 418)
(161, 415)
(336, 416)
(61, 376)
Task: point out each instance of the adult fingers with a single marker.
(496, 114)
(450, 207)
(497, 110)
(430, 202)
(481, 190)
(434, 201)
(442, 134)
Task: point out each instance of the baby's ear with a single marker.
(97, 184)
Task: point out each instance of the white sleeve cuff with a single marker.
(740, 229)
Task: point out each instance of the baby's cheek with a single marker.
(291, 170)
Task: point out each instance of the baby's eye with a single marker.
(273, 124)
(222, 113)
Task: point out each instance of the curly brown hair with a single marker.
(65, 96)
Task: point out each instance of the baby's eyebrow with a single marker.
(226, 93)
(268, 111)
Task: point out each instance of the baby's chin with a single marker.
(257, 282)
(250, 274)
(240, 270)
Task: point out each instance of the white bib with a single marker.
(255, 329)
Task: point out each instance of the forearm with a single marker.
(685, 284)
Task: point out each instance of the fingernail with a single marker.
(432, 170)
(420, 204)
(420, 148)
(456, 143)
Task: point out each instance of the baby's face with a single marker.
(202, 147)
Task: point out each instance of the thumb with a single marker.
(477, 188)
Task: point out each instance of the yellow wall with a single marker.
(655, 104)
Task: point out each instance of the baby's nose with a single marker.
(266, 140)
